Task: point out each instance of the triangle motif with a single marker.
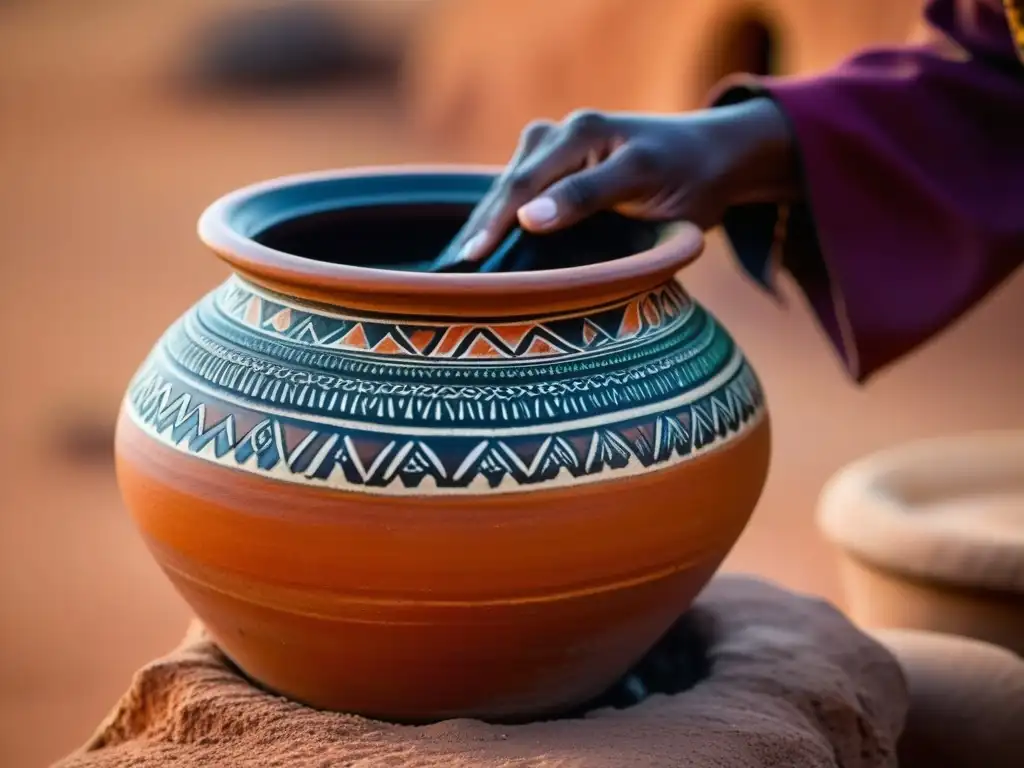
(540, 347)
(282, 320)
(451, 339)
(388, 346)
(482, 347)
(355, 338)
(593, 334)
(631, 322)
(513, 334)
(650, 312)
(419, 338)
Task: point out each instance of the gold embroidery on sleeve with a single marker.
(1015, 18)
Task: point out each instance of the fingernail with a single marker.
(472, 245)
(539, 212)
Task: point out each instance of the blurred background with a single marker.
(121, 119)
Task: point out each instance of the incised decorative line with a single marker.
(312, 452)
(495, 341)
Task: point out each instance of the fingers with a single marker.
(599, 187)
(584, 138)
(474, 237)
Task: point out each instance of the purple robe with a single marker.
(913, 169)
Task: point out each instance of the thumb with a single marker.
(581, 194)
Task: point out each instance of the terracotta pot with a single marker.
(931, 536)
(419, 496)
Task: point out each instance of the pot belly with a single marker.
(418, 609)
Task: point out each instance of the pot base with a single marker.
(416, 673)
(676, 663)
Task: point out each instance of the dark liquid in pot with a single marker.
(407, 237)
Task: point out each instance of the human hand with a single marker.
(655, 167)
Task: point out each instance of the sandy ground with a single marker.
(105, 171)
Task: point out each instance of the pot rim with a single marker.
(876, 509)
(229, 224)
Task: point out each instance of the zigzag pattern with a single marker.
(370, 396)
(277, 317)
(313, 453)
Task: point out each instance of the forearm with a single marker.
(911, 169)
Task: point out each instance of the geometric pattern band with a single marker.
(348, 400)
(369, 461)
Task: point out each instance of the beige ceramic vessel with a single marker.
(966, 701)
(931, 536)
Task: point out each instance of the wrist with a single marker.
(759, 152)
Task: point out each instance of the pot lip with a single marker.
(865, 509)
(228, 224)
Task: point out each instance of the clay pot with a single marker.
(931, 536)
(966, 701)
(419, 496)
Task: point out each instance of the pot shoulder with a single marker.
(259, 382)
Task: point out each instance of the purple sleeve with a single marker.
(913, 167)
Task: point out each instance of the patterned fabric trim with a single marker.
(1015, 18)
